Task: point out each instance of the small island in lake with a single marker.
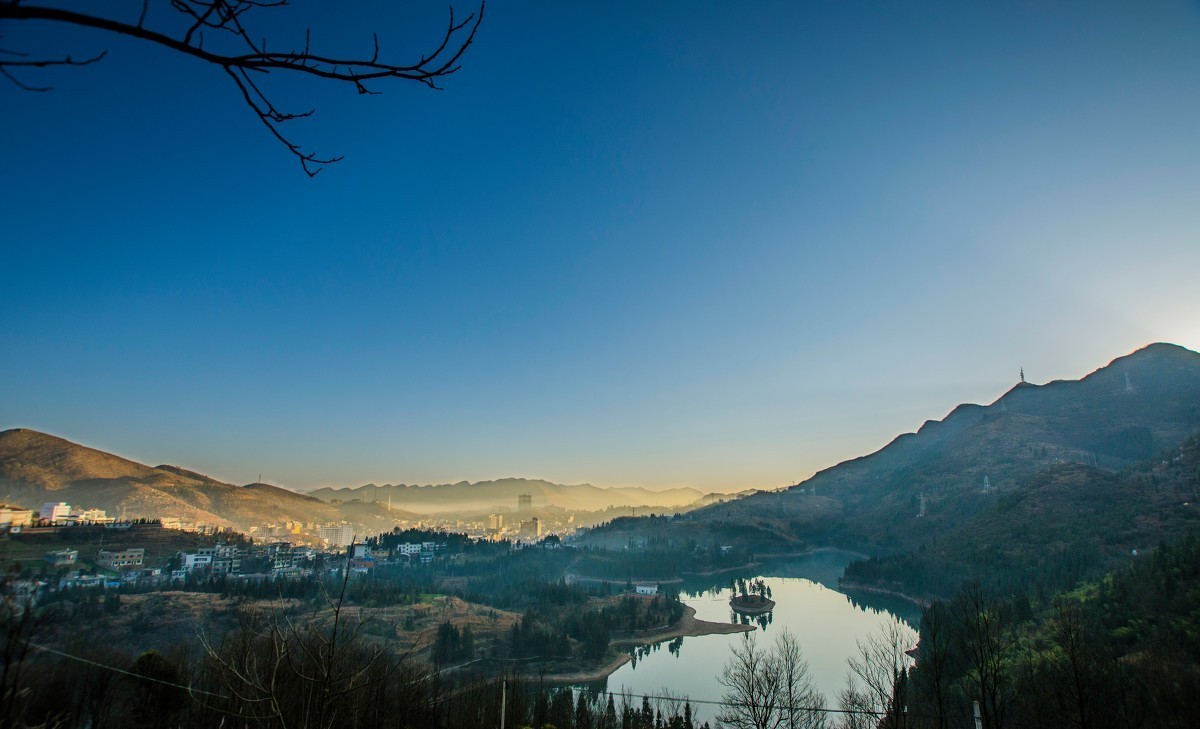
(751, 598)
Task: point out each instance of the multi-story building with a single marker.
(531, 529)
(224, 558)
(495, 522)
(92, 516)
(337, 535)
(190, 562)
(123, 559)
(56, 512)
(62, 557)
(13, 517)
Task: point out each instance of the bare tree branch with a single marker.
(252, 56)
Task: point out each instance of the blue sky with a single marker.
(709, 244)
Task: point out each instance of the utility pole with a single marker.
(504, 693)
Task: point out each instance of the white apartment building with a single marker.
(338, 535)
(55, 512)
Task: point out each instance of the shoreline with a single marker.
(812, 551)
(875, 589)
(751, 565)
(762, 609)
(689, 626)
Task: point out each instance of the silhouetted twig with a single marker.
(247, 56)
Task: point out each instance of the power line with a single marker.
(115, 669)
(573, 689)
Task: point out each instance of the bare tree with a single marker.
(801, 699)
(752, 688)
(770, 689)
(858, 712)
(934, 673)
(219, 32)
(879, 673)
(22, 629)
(980, 625)
(282, 674)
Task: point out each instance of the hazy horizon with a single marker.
(724, 247)
(656, 487)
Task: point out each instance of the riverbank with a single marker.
(875, 589)
(689, 626)
(812, 551)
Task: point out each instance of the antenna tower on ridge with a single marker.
(922, 512)
(987, 485)
(1128, 384)
(1022, 375)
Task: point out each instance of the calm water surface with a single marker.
(825, 621)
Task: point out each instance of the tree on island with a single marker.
(218, 32)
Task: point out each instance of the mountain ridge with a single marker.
(36, 467)
(502, 494)
(948, 472)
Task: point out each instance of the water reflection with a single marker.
(825, 621)
(762, 620)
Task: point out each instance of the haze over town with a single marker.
(716, 248)
(612, 365)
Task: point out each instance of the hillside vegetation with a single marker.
(1043, 486)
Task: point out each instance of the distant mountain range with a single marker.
(983, 464)
(501, 495)
(36, 468)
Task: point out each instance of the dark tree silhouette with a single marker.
(217, 32)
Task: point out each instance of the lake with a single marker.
(825, 621)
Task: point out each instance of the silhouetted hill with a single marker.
(1065, 436)
(36, 467)
(502, 494)
(1067, 522)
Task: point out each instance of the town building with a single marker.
(114, 560)
(12, 517)
(225, 558)
(531, 529)
(92, 516)
(56, 512)
(337, 535)
(191, 562)
(62, 557)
